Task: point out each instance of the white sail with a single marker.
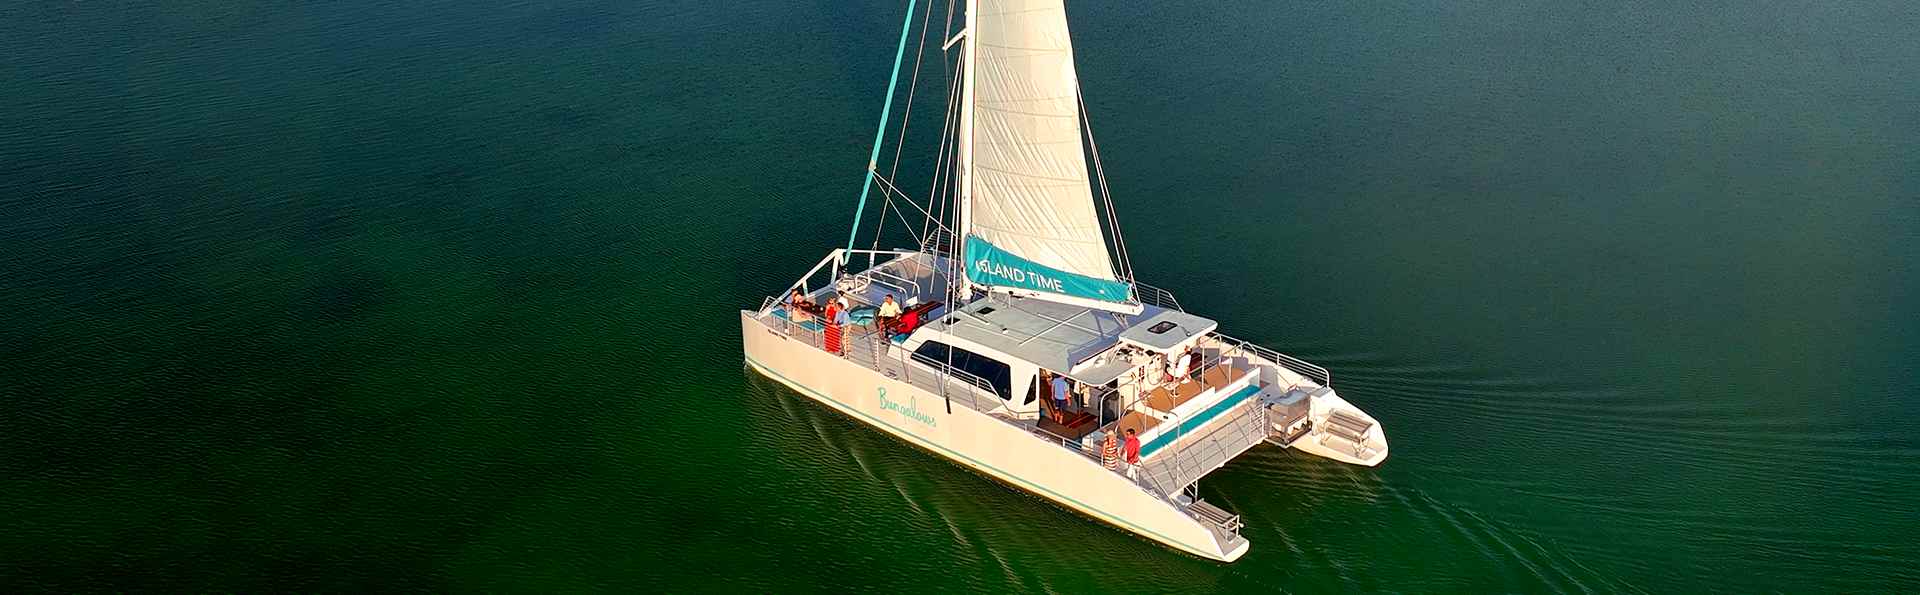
(1029, 195)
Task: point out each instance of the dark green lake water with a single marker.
(437, 295)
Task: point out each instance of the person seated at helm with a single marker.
(889, 315)
(1181, 367)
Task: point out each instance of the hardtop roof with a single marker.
(1047, 334)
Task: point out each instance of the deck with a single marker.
(1166, 474)
(1167, 397)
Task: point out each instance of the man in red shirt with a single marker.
(1130, 451)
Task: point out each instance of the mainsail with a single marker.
(1029, 216)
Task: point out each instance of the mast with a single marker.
(963, 209)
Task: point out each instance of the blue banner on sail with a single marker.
(989, 265)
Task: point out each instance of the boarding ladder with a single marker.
(1192, 457)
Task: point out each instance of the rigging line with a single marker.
(953, 88)
(888, 187)
(950, 163)
(898, 213)
(889, 191)
(906, 225)
(880, 132)
(936, 195)
(1113, 221)
(912, 85)
(906, 116)
(886, 204)
(948, 33)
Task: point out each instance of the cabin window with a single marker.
(993, 371)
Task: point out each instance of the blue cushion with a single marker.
(812, 325)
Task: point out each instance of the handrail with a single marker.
(1155, 296)
(1298, 366)
(832, 257)
(903, 288)
(972, 399)
(1202, 451)
(974, 381)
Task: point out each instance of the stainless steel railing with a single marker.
(1194, 455)
(1298, 366)
(901, 285)
(1154, 296)
(974, 386)
(870, 348)
(959, 386)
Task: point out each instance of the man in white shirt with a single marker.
(889, 313)
(1181, 368)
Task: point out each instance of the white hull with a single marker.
(982, 443)
(1369, 452)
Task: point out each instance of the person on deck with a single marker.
(1059, 386)
(1192, 364)
(889, 315)
(1110, 452)
(1130, 452)
(1180, 367)
(797, 305)
(835, 316)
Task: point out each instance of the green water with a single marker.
(441, 295)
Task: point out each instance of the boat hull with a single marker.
(978, 441)
(1369, 452)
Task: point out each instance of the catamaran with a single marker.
(1016, 340)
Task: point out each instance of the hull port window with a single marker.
(935, 353)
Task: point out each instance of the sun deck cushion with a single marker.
(913, 317)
